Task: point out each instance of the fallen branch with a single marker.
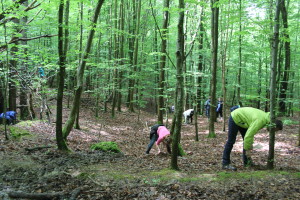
(37, 148)
(42, 196)
(75, 193)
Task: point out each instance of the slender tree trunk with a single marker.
(163, 58)
(121, 49)
(270, 163)
(116, 63)
(24, 107)
(135, 55)
(12, 88)
(131, 42)
(200, 65)
(80, 72)
(179, 87)
(286, 72)
(61, 142)
(214, 50)
(238, 95)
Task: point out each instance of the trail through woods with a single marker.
(32, 165)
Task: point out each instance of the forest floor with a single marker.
(32, 165)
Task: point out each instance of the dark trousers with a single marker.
(153, 139)
(220, 113)
(233, 129)
(207, 111)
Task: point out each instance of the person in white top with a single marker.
(188, 116)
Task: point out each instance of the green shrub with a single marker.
(106, 147)
(18, 132)
(181, 151)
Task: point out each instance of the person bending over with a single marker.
(248, 121)
(188, 116)
(159, 134)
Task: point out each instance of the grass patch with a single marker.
(256, 174)
(17, 132)
(106, 147)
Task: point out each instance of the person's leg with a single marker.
(152, 141)
(247, 161)
(232, 133)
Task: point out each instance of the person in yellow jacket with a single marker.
(248, 121)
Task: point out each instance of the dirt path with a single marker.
(134, 175)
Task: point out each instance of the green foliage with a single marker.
(288, 121)
(17, 132)
(106, 147)
(181, 151)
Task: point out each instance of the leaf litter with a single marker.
(134, 175)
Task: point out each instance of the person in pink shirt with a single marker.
(159, 134)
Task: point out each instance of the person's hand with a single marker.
(248, 153)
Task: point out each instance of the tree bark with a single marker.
(179, 88)
(61, 141)
(286, 72)
(163, 58)
(270, 163)
(214, 51)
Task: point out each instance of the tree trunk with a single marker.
(163, 58)
(121, 49)
(132, 31)
(135, 56)
(80, 72)
(179, 88)
(61, 142)
(200, 66)
(116, 63)
(24, 107)
(286, 72)
(238, 95)
(270, 163)
(213, 82)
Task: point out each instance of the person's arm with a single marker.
(158, 149)
(249, 136)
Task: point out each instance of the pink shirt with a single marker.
(162, 132)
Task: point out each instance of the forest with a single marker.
(87, 79)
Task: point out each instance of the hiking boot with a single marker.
(229, 167)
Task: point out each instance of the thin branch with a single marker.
(29, 7)
(10, 9)
(14, 40)
(160, 34)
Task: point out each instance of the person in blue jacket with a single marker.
(219, 109)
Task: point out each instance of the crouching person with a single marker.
(188, 116)
(10, 117)
(248, 121)
(13, 116)
(159, 134)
